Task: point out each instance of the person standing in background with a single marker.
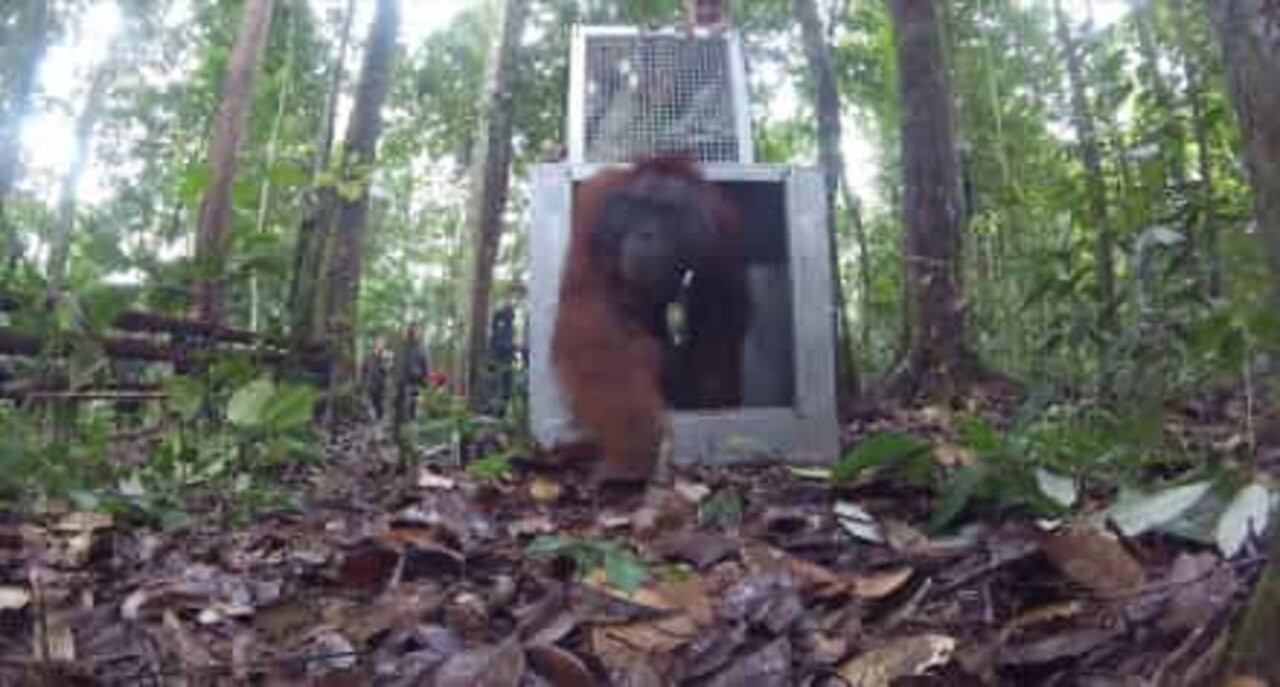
(411, 371)
(373, 374)
(502, 358)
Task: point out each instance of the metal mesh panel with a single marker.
(659, 94)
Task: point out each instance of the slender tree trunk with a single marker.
(348, 223)
(273, 145)
(1208, 229)
(826, 101)
(35, 29)
(490, 177)
(213, 236)
(64, 229)
(938, 363)
(309, 251)
(852, 202)
(1096, 190)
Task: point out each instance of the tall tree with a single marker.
(1249, 31)
(347, 221)
(309, 251)
(490, 179)
(826, 100)
(938, 362)
(64, 229)
(213, 235)
(36, 22)
(1096, 192)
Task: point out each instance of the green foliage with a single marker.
(623, 568)
(492, 468)
(722, 509)
(883, 450)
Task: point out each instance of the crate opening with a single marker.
(767, 374)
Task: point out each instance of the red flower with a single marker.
(437, 379)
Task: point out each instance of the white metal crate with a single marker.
(635, 92)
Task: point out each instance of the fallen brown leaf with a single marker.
(877, 585)
(494, 666)
(560, 667)
(1094, 560)
(900, 658)
(768, 667)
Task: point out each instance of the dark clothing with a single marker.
(412, 368)
(374, 379)
(502, 359)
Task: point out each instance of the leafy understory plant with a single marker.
(622, 567)
(1208, 511)
(494, 467)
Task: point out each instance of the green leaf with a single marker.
(1247, 514)
(186, 395)
(876, 451)
(248, 404)
(193, 183)
(624, 569)
(290, 407)
(957, 493)
(546, 546)
(1137, 515)
(979, 435)
(285, 175)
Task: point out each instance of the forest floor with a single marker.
(748, 576)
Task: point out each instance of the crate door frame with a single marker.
(804, 433)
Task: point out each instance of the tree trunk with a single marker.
(827, 103)
(273, 147)
(490, 177)
(213, 236)
(1249, 31)
(1096, 190)
(1250, 34)
(854, 205)
(64, 229)
(938, 363)
(309, 250)
(1208, 229)
(350, 210)
(35, 28)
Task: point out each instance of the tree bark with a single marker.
(351, 209)
(35, 29)
(309, 249)
(490, 178)
(1096, 191)
(64, 230)
(273, 146)
(938, 363)
(213, 236)
(1249, 31)
(827, 103)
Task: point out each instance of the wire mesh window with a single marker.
(648, 94)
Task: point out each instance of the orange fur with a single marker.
(609, 364)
